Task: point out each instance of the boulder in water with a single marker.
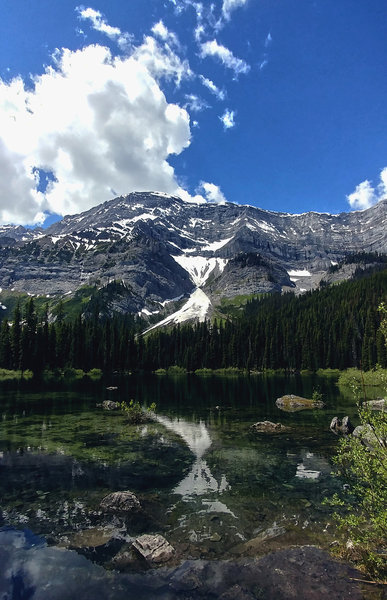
(268, 427)
(292, 403)
(154, 548)
(120, 502)
(343, 426)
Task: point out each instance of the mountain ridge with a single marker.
(164, 248)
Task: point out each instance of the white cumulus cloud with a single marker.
(98, 123)
(225, 55)
(229, 6)
(228, 119)
(100, 24)
(164, 34)
(194, 103)
(366, 195)
(212, 192)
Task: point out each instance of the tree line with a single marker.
(334, 327)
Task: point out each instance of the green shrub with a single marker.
(176, 370)
(94, 373)
(204, 371)
(71, 373)
(135, 413)
(8, 374)
(361, 461)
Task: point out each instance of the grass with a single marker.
(377, 377)
(8, 374)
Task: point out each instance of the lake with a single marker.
(210, 486)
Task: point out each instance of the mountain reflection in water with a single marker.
(199, 480)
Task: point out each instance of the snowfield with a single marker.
(199, 267)
(196, 307)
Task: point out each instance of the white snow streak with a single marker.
(199, 267)
(196, 307)
(300, 273)
(216, 245)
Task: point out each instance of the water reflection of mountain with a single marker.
(200, 479)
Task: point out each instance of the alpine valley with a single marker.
(173, 261)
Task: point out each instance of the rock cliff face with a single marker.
(163, 248)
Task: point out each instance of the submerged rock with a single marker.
(343, 426)
(154, 548)
(121, 502)
(268, 427)
(292, 403)
(30, 568)
(109, 405)
(93, 537)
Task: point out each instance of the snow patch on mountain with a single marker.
(196, 307)
(299, 273)
(200, 267)
(216, 245)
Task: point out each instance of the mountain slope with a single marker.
(163, 248)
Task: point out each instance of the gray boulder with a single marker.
(120, 502)
(343, 426)
(378, 404)
(154, 548)
(109, 405)
(366, 435)
(292, 403)
(268, 427)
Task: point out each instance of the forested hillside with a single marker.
(336, 327)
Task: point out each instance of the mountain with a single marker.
(165, 250)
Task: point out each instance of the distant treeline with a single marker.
(335, 327)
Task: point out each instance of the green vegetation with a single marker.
(332, 328)
(161, 372)
(317, 396)
(135, 413)
(176, 370)
(361, 505)
(8, 374)
(204, 372)
(355, 377)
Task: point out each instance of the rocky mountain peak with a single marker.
(163, 248)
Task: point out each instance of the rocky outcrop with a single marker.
(268, 427)
(135, 238)
(154, 549)
(292, 403)
(120, 502)
(109, 405)
(366, 435)
(343, 426)
(378, 404)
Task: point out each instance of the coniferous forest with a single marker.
(333, 327)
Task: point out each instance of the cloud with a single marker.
(98, 123)
(210, 85)
(160, 30)
(212, 192)
(230, 5)
(268, 40)
(225, 56)
(365, 195)
(99, 24)
(161, 61)
(228, 119)
(194, 103)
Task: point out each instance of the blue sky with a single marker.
(277, 104)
